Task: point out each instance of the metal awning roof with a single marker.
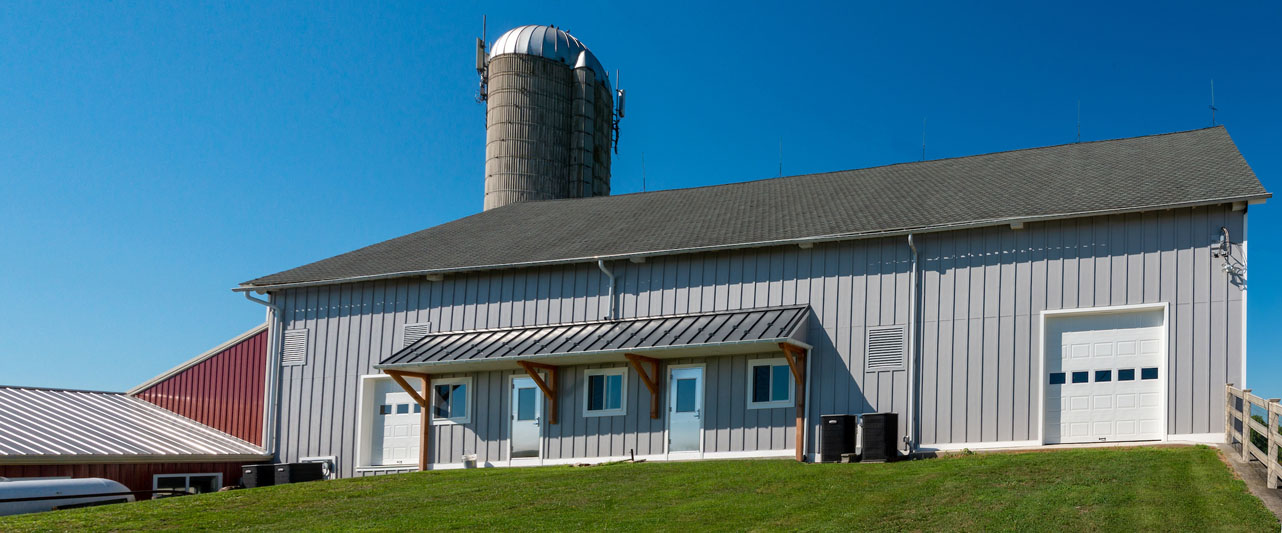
(46, 426)
(665, 337)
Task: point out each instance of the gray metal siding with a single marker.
(982, 291)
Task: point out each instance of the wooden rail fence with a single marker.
(1268, 430)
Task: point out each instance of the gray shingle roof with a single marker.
(639, 335)
(69, 426)
(1186, 168)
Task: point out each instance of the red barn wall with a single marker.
(225, 391)
(136, 476)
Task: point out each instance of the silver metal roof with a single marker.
(549, 42)
(42, 426)
(719, 333)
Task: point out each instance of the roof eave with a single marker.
(1253, 199)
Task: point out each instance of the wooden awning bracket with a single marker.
(548, 387)
(650, 379)
(796, 357)
(425, 423)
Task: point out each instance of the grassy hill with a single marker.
(1147, 488)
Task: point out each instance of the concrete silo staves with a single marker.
(550, 117)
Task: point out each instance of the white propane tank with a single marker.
(58, 487)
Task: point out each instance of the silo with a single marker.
(549, 118)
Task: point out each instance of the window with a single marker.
(1081, 377)
(451, 400)
(1057, 378)
(1103, 375)
(1148, 373)
(1126, 374)
(192, 483)
(606, 392)
(770, 384)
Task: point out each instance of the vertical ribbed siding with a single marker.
(225, 391)
(982, 291)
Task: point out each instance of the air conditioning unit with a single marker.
(879, 440)
(257, 475)
(837, 437)
(299, 472)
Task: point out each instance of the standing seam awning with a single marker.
(703, 334)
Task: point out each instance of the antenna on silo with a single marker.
(1213, 109)
(621, 96)
(481, 67)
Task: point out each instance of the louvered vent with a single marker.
(411, 333)
(885, 349)
(295, 350)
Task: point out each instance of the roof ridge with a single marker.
(57, 389)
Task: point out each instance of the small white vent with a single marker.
(295, 349)
(411, 333)
(885, 349)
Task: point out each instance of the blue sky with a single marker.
(154, 155)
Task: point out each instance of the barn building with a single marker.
(193, 427)
(1078, 293)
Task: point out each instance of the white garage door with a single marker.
(1103, 377)
(397, 419)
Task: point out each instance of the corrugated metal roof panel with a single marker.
(59, 426)
(773, 324)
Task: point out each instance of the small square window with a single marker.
(770, 384)
(402, 408)
(605, 392)
(1148, 373)
(1057, 378)
(1126, 374)
(384, 409)
(1103, 375)
(450, 401)
(417, 408)
(1081, 377)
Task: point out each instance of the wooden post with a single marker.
(425, 406)
(797, 362)
(651, 379)
(1271, 465)
(1246, 425)
(549, 387)
(1228, 414)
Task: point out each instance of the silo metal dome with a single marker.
(546, 41)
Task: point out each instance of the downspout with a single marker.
(806, 433)
(273, 367)
(600, 263)
(910, 440)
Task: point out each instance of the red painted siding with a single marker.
(225, 391)
(135, 476)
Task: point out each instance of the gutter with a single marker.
(600, 263)
(271, 376)
(896, 232)
(910, 440)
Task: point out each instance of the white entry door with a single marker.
(1103, 377)
(397, 421)
(527, 412)
(685, 412)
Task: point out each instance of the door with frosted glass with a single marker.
(527, 410)
(685, 411)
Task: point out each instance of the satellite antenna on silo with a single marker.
(621, 96)
(481, 58)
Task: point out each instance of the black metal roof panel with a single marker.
(1123, 175)
(770, 324)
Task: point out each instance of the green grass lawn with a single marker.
(1169, 488)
